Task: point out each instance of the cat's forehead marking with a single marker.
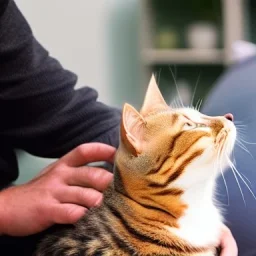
(189, 113)
(192, 114)
(157, 112)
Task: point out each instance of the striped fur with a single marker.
(161, 199)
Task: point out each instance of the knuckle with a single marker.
(89, 172)
(94, 173)
(59, 169)
(89, 197)
(73, 214)
(84, 148)
(94, 198)
(81, 149)
(80, 194)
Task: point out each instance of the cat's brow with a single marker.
(195, 121)
(188, 118)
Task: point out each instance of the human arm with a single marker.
(40, 110)
(42, 113)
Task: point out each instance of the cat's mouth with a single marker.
(226, 137)
(221, 138)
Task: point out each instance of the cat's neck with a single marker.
(192, 216)
(201, 223)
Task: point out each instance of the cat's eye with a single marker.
(201, 125)
(190, 126)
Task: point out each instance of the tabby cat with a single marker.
(161, 201)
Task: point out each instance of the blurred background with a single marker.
(114, 46)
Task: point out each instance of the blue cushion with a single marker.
(235, 92)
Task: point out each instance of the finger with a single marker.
(228, 243)
(228, 249)
(91, 177)
(88, 153)
(67, 213)
(86, 197)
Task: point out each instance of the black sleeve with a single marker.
(40, 110)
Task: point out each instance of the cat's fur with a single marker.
(162, 199)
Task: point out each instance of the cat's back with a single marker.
(92, 235)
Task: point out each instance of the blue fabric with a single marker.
(235, 92)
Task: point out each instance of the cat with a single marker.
(161, 201)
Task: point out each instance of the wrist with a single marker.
(4, 212)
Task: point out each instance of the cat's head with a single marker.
(172, 146)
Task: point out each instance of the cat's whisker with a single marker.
(240, 143)
(177, 89)
(246, 178)
(240, 125)
(241, 177)
(239, 186)
(225, 183)
(198, 104)
(219, 158)
(241, 128)
(216, 164)
(247, 121)
(242, 146)
(239, 122)
(247, 142)
(233, 156)
(175, 103)
(194, 93)
(241, 132)
(159, 75)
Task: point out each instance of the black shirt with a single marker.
(40, 111)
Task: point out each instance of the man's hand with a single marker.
(61, 193)
(228, 243)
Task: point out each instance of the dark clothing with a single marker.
(42, 113)
(40, 110)
(235, 93)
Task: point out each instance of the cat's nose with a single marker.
(229, 116)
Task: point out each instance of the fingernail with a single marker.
(99, 201)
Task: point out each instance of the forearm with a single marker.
(3, 212)
(41, 112)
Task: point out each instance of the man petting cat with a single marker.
(42, 113)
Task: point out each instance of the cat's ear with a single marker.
(153, 99)
(132, 126)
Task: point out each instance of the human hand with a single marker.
(60, 194)
(228, 244)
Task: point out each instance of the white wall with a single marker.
(97, 40)
(75, 33)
